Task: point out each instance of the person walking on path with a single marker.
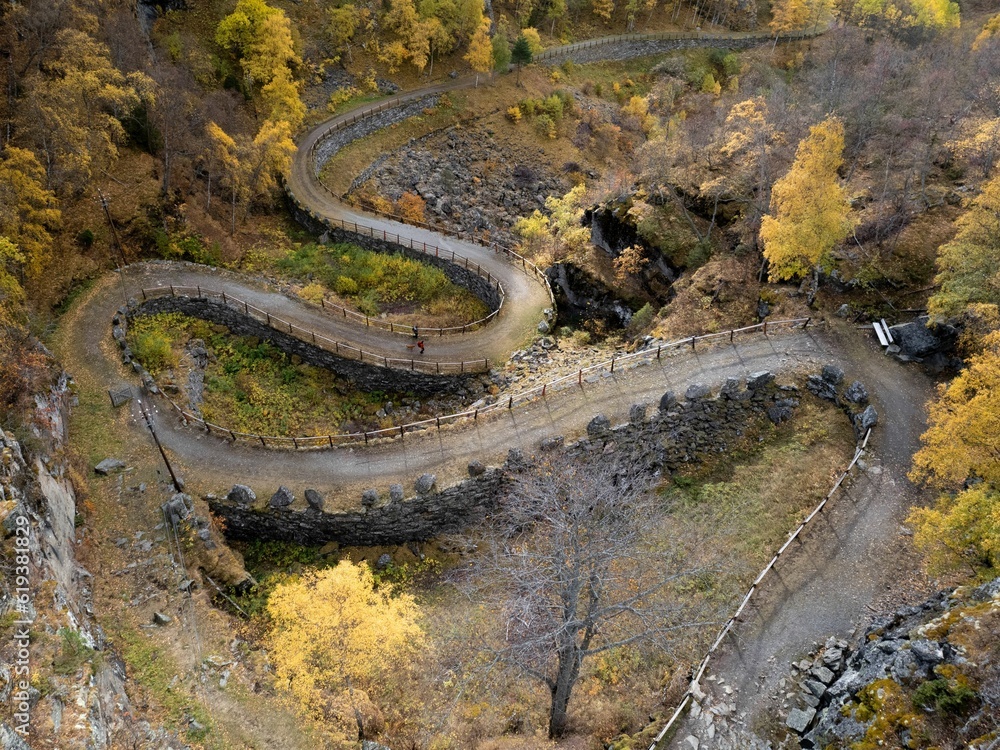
(415, 334)
(420, 346)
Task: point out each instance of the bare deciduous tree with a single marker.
(574, 568)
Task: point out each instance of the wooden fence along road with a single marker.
(324, 208)
(578, 379)
(693, 686)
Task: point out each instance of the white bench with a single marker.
(882, 332)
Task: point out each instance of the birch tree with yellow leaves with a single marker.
(28, 211)
(333, 630)
(810, 212)
(961, 456)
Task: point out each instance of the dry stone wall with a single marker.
(362, 375)
(455, 272)
(682, 431)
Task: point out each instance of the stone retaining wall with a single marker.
(329, 146)
(680, 432)
(364, 376)
(629, 50)
(457, 274)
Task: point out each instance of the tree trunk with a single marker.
(568, 671)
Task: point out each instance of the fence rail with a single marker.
(341, 349)
(577, 379)
(859, 451)
(669, 36)
(363, 113)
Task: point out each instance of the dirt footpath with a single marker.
(855, 563)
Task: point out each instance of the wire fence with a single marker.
(584, 375)
(859, 451)
(339, 348)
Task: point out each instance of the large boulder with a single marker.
(915, 339)
(282, 498)
(241, 495)
(109, 465)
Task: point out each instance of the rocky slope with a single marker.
(65, 686)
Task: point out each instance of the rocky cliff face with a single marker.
(60, 694)
(927, 676)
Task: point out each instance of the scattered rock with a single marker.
(815, 687)
(833, 374)
(758, 380)
(282, 498)
(866, 420)
(384, 561)
(315, 499)
(778, 414)
(598, 426)
(819, 386)
(109, 465)
(369, 498)
(667, 401)
(476, 468)
(856, 393)
(551, 443)
(843, 311)
(822, 674)
(697, 391)
(161, 619)
(396, 493)
(241, 495)
(637, 414)
(799, 719)
(425, 484)
(177, 508)
(928, 652)
(730, 388)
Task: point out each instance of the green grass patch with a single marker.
(252, 386)
(73, 653)
(150, 666)
(377, 283)
(762, 490)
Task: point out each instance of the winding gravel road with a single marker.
(827, 586)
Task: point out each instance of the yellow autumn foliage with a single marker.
(810, 212)
(333, 630)
(963, 439)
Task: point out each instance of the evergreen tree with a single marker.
(520, 54)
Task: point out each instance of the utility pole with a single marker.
(120, 260)
(178, 484)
